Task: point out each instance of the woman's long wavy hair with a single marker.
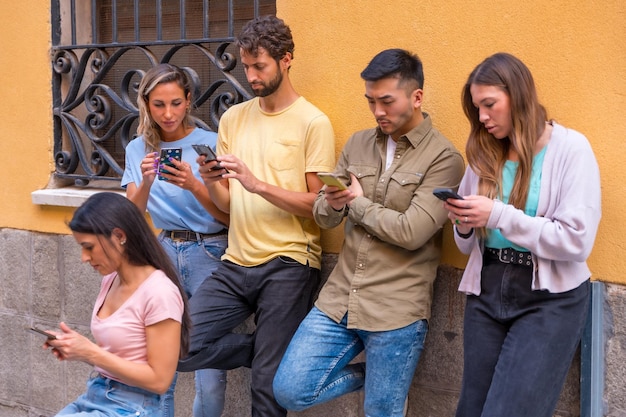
(103, 212)
(486, 154)
(160, 74)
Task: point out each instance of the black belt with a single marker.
(510, 256)
(188, 235)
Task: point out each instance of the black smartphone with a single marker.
(331, 179)
(42, 332)
(164, 159)
(446, 193)
(207, 151)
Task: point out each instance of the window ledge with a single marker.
(66, 196)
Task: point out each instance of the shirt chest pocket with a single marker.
(366, 174)
(402, 186)
(284, 154)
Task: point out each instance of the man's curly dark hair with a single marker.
(268, 32)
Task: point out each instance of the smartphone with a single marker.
(207, 151)
(43, 332)
(166, 153)
(331, 179)
(446, 193)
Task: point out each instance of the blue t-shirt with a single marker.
(171, 207)
(494, 237)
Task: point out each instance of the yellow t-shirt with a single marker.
(278, 148)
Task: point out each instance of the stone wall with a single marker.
(43, 282)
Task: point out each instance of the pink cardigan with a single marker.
(562, 234)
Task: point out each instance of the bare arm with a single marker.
(139, 194)
(202, 195)
(295, 202)
(217, 186)
(163, 350)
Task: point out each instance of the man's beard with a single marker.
(271, 87)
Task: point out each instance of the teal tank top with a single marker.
(494, 237)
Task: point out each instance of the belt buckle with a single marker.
(176, 236)
(507, 257)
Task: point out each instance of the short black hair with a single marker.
(395, 63)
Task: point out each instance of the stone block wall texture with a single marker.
(42, 282)
(615, 337)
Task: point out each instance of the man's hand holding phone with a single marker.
(337, 193)
(209, 155)
(208, 173)
(332, 180)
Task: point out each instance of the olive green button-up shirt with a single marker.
(386, 268)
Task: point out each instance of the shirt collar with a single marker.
(415, 135)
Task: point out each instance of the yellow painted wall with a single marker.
(26, 114)
(576, 51)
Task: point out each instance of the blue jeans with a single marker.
(316, 366)
(195, 261)
(108, 398)
(279, 293)
(518, 344)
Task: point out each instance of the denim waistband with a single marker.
(115, 383)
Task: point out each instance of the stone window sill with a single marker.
(66, 196)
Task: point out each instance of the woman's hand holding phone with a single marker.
(445, 193)
(149, 167)
(49, 335)
(174, 170)
(469, 212)
(166, 158)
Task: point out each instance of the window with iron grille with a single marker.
(102, 48)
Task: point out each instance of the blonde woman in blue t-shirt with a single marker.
(194, 230)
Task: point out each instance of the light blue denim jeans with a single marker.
(106, 397)
(316, 366)
(195, 261)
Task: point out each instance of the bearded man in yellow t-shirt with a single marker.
(270, 149)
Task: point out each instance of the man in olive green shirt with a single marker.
(378, 297)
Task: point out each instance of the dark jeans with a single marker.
(280, 294)
(518, 344)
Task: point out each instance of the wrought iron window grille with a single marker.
(95, 77)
